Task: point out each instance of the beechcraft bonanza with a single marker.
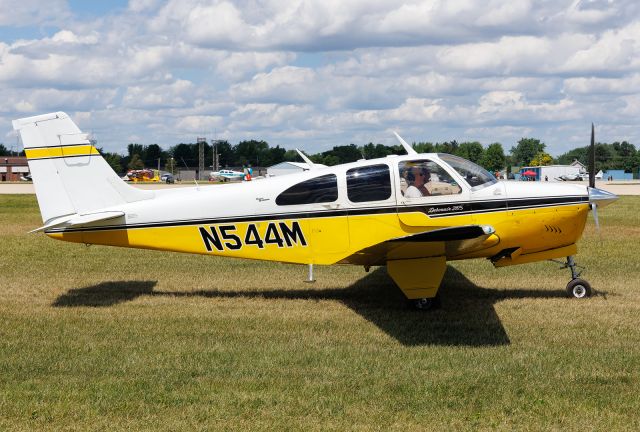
(412, 213)
(227, 175)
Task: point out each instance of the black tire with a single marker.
(579, 288)
(426, 304)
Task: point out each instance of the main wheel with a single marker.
(426, 304)
(579, 288)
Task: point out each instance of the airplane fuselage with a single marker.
(245, 221)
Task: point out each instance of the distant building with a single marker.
(13, 168)
(551, 172)
(580, 165)
(617, 175)
(284, 168)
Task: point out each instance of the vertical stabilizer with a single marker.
(69, 174)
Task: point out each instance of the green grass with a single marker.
(117, 339)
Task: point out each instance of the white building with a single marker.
(553, 172)
(284, 168)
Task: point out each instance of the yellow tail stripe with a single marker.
(56, 152)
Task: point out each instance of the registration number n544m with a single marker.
(230, 237)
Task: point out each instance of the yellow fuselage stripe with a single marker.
(339, 239)
(58, 152)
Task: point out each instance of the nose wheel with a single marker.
(577, 288)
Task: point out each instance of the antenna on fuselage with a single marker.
(407, 147)
(307, 160)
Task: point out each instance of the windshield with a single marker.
(475, 175)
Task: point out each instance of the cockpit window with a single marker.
(475, 175)
(321, 189)
(423, 177)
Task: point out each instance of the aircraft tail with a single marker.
(69, 174)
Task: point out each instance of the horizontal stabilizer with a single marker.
(78, 220)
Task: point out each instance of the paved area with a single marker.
(619, 187)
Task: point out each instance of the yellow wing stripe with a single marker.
(58, 152)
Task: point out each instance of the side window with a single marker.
(369, 183)
(425, 178)
(321, 189)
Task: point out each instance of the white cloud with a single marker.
(22, 13)
(324, 73)
(175, 94)
(143, 5)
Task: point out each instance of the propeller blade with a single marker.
(594, 209)
(592, 159)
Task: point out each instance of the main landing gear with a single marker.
(576, 288)
(426, 304)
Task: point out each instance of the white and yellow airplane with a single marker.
(412, 213)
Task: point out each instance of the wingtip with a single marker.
(306, 159)
(404, 144)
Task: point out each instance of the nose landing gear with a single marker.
(576, 288)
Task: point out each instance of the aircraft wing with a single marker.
(449, 242)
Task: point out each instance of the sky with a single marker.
(316, 74)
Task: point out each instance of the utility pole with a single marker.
(216, 159)
(201, 143)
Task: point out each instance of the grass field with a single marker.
(117, 339)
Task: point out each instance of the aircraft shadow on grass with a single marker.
(467, 316)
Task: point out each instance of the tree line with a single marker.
(527, 152)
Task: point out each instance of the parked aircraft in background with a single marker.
(573, 177)
(226, 175)
(411, 213)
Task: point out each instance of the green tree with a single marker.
(170, 165)
(604, 156)
(113, 159)
(542, 159)
(135, 162)
(152, 153)
(472, 151)
(186, 155)
(4, 151)
(493, 158)
(133, 148)
(579, 154)
(450, 147)
(250, 152)
(374, 151)
(423, 147)
(292, 156)
(339, 155)
(526, 150)
(225, 153)
(325, 159)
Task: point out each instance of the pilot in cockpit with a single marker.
(417, 177)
